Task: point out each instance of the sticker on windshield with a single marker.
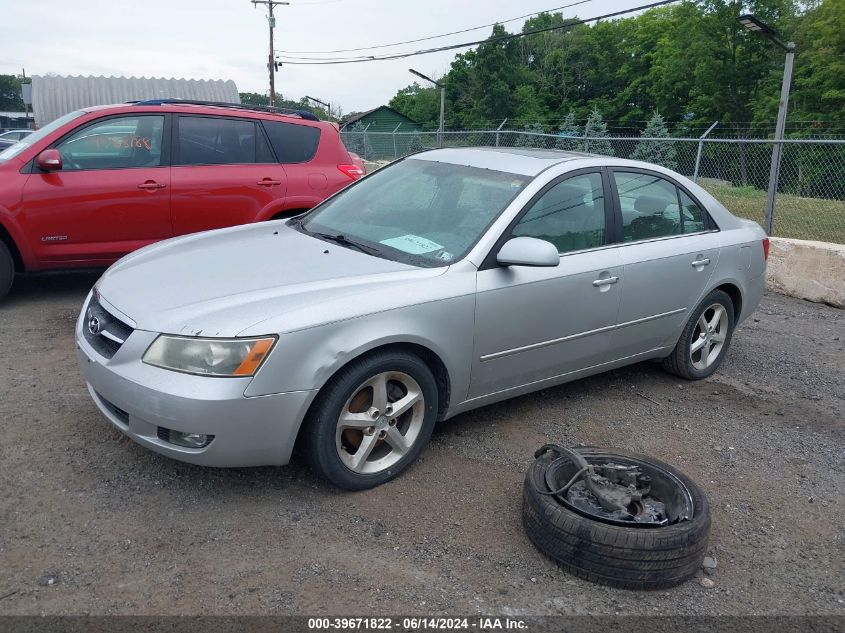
(413, 244)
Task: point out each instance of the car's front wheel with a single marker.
(372, 419)
(705, 339)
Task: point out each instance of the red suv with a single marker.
(98, 183)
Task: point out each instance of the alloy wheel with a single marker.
(708, 336)
(380, 422)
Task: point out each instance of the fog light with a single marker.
(188, 440)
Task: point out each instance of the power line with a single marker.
(432, 37)
(490, 40)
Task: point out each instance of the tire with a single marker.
(619, 556)
(681, 361)
(331, 447)
(7, 270)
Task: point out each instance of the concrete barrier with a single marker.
(372, 165)
(808, 270)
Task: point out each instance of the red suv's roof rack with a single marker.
(303, 114)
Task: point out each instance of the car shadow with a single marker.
(50, 287)
(598, 386)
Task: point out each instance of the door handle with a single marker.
(700, 262)
(598, 283)
(151, 185)
(269, 182)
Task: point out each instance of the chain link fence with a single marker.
(810, 194)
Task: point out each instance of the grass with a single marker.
(796, 217)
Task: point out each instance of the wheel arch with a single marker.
(427, 355)
(431, 358)
(290, 205)
(287, 213)
(733, 291)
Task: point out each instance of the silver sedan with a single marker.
(444, 282)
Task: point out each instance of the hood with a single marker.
(222, 282)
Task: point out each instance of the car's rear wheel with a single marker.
(7, 270)
(705, 339)
(372, 420)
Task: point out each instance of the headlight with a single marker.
(209, 357)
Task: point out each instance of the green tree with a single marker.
(818, 91)
(254, 98)
(259, 99)
(10, 94)
(658, 152)
(527, 106)
(531, 139)
(569, 134)
(691, 61)
(596, 130)
(418, 104)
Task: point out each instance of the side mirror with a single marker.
(49, 160)
(528, 251)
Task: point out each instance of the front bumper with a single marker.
(138, 399)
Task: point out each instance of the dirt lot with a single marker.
(126, 531)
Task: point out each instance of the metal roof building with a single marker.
(54, 96)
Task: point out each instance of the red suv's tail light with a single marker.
(353, 171)
(766, 248)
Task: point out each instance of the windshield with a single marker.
(21, 145)
(416, 211)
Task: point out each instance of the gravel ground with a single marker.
(125, 531)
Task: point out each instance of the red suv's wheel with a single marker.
(7, 270)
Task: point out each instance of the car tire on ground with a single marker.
(620, 556)
(710, 327)
(354, 436)
(7, 270)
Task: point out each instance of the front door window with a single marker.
(116, 143)
(570, 215)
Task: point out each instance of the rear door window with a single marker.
(216, 141)
(649, 206)
(654, 207)
(292, 143)
(693, 217)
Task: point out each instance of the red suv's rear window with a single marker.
(292, 143)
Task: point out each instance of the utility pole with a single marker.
(271, 62)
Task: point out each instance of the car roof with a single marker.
(206, 108)
(517, 160)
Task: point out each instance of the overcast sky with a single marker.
(228, 39)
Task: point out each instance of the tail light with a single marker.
(766, 248)
(353, 171)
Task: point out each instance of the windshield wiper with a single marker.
(345, 241)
